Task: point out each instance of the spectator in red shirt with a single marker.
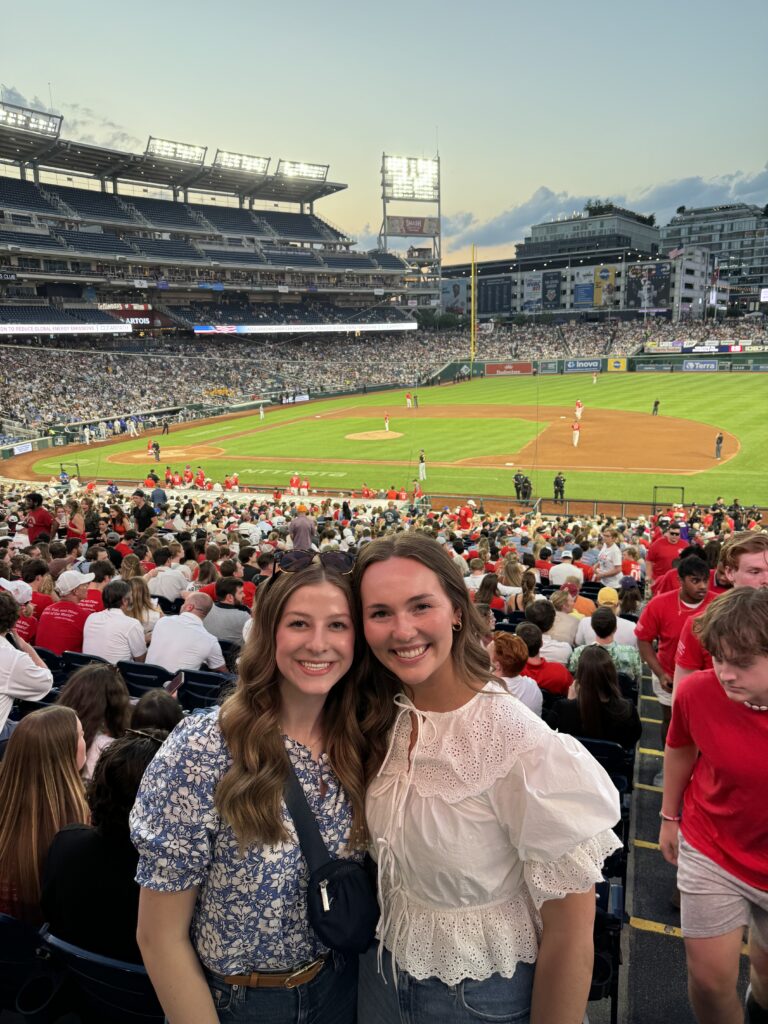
(670, 580)
(550, 675)
(714, 814)
(61, 624)
(35, 572)
(662, 621)
(26, 624)
(102, 573)
(544, 563)
(39, 521)
(232, 567)
(743, 563)
(662, 553)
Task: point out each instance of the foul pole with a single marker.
(473, 313)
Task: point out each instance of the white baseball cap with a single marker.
(18, 589)
(71, 580)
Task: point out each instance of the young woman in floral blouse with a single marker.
(223, 925)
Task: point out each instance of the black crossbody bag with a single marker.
(341, 896)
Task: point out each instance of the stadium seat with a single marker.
(197, 696)
(54, 663)
(168, 607)
(18, 943)
(101, 990)
(609, 919)
(73, 660)
(22, 708)
(140, 677)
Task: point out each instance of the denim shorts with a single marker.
(495, 1000)
(330, 998)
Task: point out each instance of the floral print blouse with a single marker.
(251, 912)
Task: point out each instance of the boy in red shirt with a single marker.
(714, 812)
(550, 675)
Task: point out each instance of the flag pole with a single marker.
(473, 313)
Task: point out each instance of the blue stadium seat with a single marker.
(73, 660)
(100, 242)
(18, 960)
(101, 989)
(31, 240)
(22, 708)
(92, 205)
(140, 676)
(163, 213)
(23, 195)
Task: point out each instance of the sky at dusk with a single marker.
(534, 107)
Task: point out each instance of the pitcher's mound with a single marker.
(374, 435)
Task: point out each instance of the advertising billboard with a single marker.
(700, 365)
(648, 286)
(453, 294)
(413, 227)
(669, 345)
(550, 289)
(548, 366)
(582, 365)
(532, 292)
(583, 286)
(406, 325)
(605, 286)
(507, 369)
(618, 365)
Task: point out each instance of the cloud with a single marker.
(81, 123)
(513, 224)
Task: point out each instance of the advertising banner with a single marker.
(605, 286)
(548, 366)
(551, 282)
(700, 365)
(670, 345)
(582, 365)
(407, 325)
(532, 292)
(617, 365)
(648, 286)
(454, 297)
(115, 328)
(583, 286)
(413, 227)
(507, 369)
(653, 367)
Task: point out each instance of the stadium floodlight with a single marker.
(226, 161)
(410, 178)
(37, 121)
(182, 152)
(296, 169)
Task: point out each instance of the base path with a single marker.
(611, 441)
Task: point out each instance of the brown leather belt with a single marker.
(284, 979)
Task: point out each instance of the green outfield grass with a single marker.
(734, 402)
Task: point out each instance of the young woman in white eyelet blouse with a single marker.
(489, 830)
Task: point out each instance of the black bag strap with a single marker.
(312, 846)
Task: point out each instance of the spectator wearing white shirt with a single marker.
(625, 630)
(23, 673)
(166, 581)
(608, 568)
(182, 641)
(510, 655)
(476, 573)
(113, 634)
(559, 573)
(542, 614)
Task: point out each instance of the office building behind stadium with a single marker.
(96, 241)
(604, 262)
(737, 237)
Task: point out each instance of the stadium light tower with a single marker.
(225, 161)
(410, 179)
(298, 169)
(38, 122)
(181, 152)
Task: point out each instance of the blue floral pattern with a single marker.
(251, 911)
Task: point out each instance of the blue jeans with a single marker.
(496, 1000)
(330, 998)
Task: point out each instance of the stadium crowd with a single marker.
(92, 387)
(562, 611)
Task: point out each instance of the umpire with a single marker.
(559, 485)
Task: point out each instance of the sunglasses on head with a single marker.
(296, 561)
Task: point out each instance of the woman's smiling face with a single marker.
(408, 622)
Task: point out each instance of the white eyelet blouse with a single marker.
(493, 815)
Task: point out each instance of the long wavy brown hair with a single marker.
(250, 795)
(40, 792)
(470, 658)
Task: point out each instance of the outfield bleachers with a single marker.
(91, 205)
(23, 195)
(164, 214)
(227, 219)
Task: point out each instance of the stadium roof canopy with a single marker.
(288, 185)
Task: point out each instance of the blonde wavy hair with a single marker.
(250, 795)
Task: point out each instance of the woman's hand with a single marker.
(669, 841)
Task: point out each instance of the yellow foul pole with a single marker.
(473, 313)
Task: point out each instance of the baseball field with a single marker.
(476, 435)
